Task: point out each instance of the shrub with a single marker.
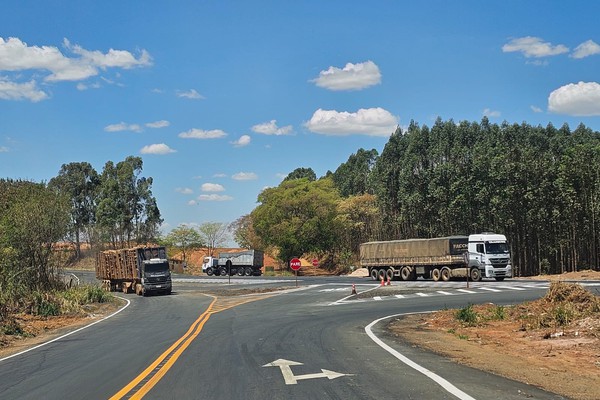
(467, 315)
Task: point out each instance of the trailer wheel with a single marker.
(223, 271)
(240, 271)
(445, 274)
(435, 274)
(248, 271)
(406, 273)
(382, 274)
(210, 271)
(389, 274)
(475, 274)
(374, 274)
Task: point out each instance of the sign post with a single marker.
(295, 264)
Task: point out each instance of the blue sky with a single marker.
(224, 98)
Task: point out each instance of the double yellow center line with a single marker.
(145, 381)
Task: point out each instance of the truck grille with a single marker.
(499, 262)
(157, 279)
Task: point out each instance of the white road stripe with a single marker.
(422, 294)
(489, 289)
(449, 387)
(377, 298)
(465, 291)
(444, 293)
(511, 287)
(399, 296)
(70, 333)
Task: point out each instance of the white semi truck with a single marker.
(247, 262)
(473, 257)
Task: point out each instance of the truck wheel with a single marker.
(210, 271)
(445, 274)
(435, 274)
(374, 274)
(248, 271)
(475, 274)
(406, 273)
(139, 289)
(240, 271)
(382, 274)
(223, 271)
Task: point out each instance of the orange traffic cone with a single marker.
(353, 288)
(389, 282)
(382, 282)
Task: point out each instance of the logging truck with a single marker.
(141, 269)
(472, 257)
(247, 262)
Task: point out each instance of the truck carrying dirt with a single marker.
(141, 269)
(242, 263)
(444, 258)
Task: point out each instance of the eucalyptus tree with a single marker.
(79, 181)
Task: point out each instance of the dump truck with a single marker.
(247, 262)
(472, 257)
(144, 270)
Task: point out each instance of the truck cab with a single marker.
(210, 265)
(490, 253)
(156, 276)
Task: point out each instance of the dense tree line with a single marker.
(538, 185)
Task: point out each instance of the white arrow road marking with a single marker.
(291, 379)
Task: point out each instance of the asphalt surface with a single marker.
(307, 342)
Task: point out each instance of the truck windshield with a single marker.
(496, 248)
(153, 268)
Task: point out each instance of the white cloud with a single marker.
(214, 197)
(221, 175)
(244, 140)
(490, 113)
(202, 134)
(536, 109)
(16, 55)
(212, 187)
(271, 128)
(21, 91)
(4, 149)
(82, 86)
(576, 99)
(351, 77)
(184, 190)
(158, 124)
(122, 126)
(370, 122)
(192, 203)
(585, 49)
(531, 46)
(245, 176)
(189, 94)
(159, 148)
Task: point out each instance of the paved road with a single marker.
(305, 343)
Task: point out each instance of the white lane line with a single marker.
(399, 296)
(420, 294)
(70, 333)
(377, 298)
(511, 287)
(489, 289)
(444, 293)
(465, 291)
(449, 387)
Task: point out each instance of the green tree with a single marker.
(244, 233)
(301, 173)
(297, 217)
(184, 238)
(354, 176)
(79, 181)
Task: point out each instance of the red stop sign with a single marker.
(315, 262)
(295, 264)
